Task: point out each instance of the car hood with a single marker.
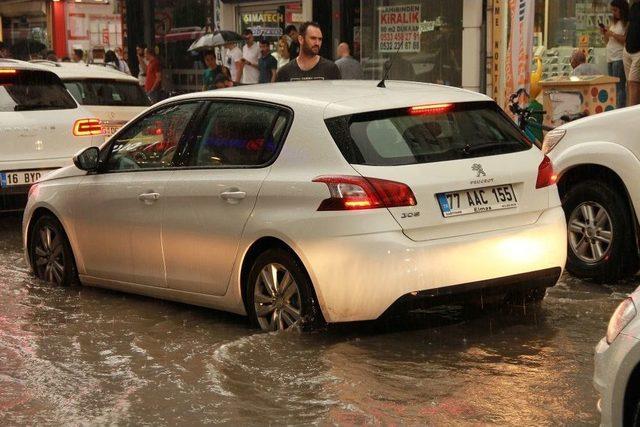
(65, 172)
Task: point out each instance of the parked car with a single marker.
(617, 366)
(41, 127)
(596, 159)
(112, 96)
(313, 201)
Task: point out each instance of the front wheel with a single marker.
(279, 293)
(601, 238)
(50, 252)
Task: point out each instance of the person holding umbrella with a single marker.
(213, 71)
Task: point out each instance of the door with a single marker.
(209, 202)
(119, 213)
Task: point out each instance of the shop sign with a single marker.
(259, 31)
(251, 18)
(399, 28)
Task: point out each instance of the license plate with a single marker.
(10, 179)
(477, 200)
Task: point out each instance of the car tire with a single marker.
(589, 255)
(51, 256)
(291, 302)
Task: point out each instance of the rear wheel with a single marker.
(279, 293)
(601, 242)
(50, 252)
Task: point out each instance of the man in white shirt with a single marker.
(250, 57)
(233, 61)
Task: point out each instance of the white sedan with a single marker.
(297, 203)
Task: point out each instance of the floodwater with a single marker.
(88, 356)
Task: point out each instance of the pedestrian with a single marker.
(153, 80)
(111, 60)
(212, 71)
(250, 56)
(51, 56)
(349, 67)
(309, 65)
(124, 67)
(267, 64)
(631, 55)
(4, 50)
(142, 64)
(294, 48)
(233, 61)
(615, 37)
(77, 55)
(282, 53)
(580, 65)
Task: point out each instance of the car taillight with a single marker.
(546, 177)
(8, 71)
(87, 127)
(429, 109)
(356, 192)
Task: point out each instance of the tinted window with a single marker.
(152, 141)
(107, 92)
(238, 134)
(24, 90)
(400, 137)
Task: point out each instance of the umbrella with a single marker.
(215, 39)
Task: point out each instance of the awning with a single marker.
(17, 8)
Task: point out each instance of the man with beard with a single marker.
(309, 65)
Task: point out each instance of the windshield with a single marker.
(28, 90)
(107, 92)
(422, 135)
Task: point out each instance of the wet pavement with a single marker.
(89, 356)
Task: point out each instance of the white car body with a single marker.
(113, 117)
(35, 142)
(602, 149)
(359, 262)
(617, 372)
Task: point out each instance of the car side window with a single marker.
(239, 134)
(152, 141)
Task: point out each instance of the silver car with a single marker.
(304, 201)
(617, 366)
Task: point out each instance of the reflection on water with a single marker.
(88, 356)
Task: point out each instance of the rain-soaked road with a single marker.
(87, 356)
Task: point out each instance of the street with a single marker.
(77, 356)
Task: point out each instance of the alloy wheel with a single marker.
(277, 301)
(590, 232)
(49, 255)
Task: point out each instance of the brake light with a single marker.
(546, 176)
(8, 71)
(430, 109)
(87, 127)
(356, 193)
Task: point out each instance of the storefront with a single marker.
(25, 26)
(93, 27)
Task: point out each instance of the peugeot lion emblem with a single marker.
(477, 167)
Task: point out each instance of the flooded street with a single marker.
(88, 356)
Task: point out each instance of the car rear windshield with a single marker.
(107, 92)
(28, 90)
(424, 134)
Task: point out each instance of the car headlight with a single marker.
(551, 139)
(624, 314)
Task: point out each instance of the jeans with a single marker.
(616, 69)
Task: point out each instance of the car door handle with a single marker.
(149, 197)
(233, 196)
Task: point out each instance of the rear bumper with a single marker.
(360, 277)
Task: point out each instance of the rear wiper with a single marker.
(34, 107)
(487, 146)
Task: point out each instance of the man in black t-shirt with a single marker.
(631, 55)
(309, 65)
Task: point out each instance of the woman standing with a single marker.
(282, 53)
(615, 38)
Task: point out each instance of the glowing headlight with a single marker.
(551, 139)
(624, 314)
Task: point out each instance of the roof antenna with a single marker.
(390, 64)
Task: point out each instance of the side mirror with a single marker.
(87, 159)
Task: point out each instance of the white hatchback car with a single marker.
(41, 127)
(112, 96)
(311, 200)
(617, 366)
